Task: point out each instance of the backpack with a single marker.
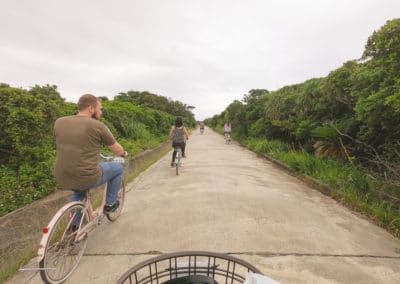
(178, 136)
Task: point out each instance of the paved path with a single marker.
(227, 199)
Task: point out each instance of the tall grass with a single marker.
(347, 183)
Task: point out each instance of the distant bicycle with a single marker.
(178, 159)
(227, 138)
(65, 238)
(202, 126)
(193, 267)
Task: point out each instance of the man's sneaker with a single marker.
(111, 208)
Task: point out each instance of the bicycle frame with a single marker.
(94, 217)
(178, 159)
(178, 154)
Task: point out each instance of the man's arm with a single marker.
(117, 149)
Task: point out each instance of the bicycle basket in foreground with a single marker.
(189, 267)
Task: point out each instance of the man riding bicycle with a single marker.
(78, 142)
(178, 135)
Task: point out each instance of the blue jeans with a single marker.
(112, 175)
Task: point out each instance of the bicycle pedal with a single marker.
(100, 219)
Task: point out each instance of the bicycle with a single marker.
(190, 267)
(65, 238)
(178, 158)
(227, 138)
(201, 130)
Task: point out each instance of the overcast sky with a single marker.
(204, 53)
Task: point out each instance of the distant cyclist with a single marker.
(178, 135)
(201, 127)
(227, 129)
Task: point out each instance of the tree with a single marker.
(161, 103)
(378, 82)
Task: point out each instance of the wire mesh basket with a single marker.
(189, 267)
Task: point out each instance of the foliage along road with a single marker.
(227, 199)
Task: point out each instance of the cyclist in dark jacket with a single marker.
(178, 135)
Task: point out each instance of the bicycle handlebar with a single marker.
(115, 159)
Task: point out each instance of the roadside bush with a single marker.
(27, 150)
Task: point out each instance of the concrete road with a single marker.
(227, 199)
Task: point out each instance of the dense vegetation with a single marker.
(342, 129)
(26, 135)
(161, 103)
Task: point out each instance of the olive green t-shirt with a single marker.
(78, 142)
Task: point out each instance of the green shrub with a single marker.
(27, 150)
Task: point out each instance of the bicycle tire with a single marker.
(192, 279)
(121, 198)
(63, 253)
(178, 160)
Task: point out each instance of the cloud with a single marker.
(202, 52)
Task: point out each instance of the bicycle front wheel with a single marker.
(112, 216)
(64, 248)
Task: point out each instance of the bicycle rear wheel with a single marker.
(178, 160)
(63, 250)
(121, 198)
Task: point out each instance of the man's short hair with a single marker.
(87, 100)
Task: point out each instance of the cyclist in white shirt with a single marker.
(227, 129)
